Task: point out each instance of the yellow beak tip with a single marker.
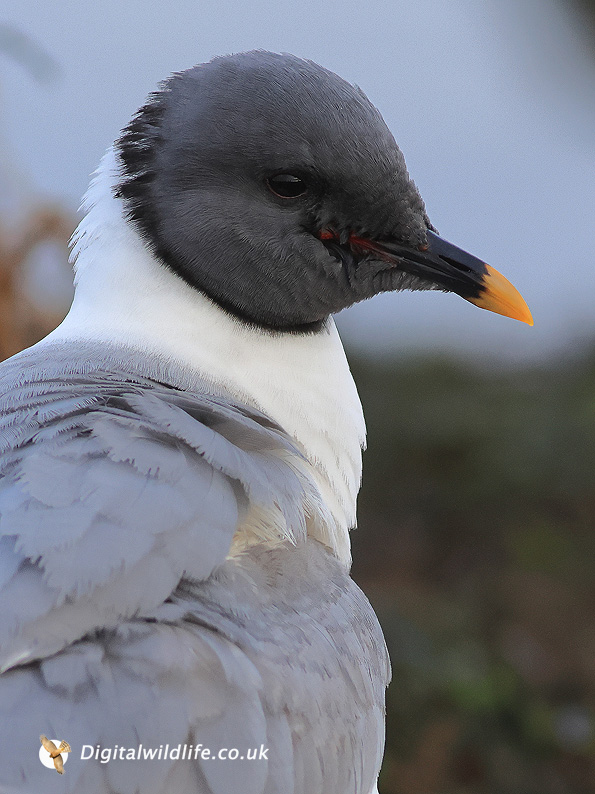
(501, 297)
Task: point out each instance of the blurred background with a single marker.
(477, 509)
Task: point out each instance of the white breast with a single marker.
(303, 382)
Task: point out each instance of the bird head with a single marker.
(275, 188)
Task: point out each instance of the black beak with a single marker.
(457, 271)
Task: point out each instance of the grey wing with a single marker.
(112, 490)
(322, 660)
(140, 687)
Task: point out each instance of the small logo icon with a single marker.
(53, 753)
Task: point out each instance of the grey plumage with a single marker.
(180, 459)
(119, 499)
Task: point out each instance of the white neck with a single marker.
(124, 295)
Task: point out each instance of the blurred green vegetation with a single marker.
(477, 549)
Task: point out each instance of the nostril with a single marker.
(458, 265)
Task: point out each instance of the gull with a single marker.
(181, 457)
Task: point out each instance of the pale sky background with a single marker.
(491, 101)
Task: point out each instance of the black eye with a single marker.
(287, 185)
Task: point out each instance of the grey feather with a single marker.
(125, 619)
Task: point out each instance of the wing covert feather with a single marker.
(114, 487)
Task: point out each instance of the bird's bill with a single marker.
(455, 270)
(501, 297)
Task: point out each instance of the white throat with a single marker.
(124, 295)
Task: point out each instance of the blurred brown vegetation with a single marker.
(22, 320)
